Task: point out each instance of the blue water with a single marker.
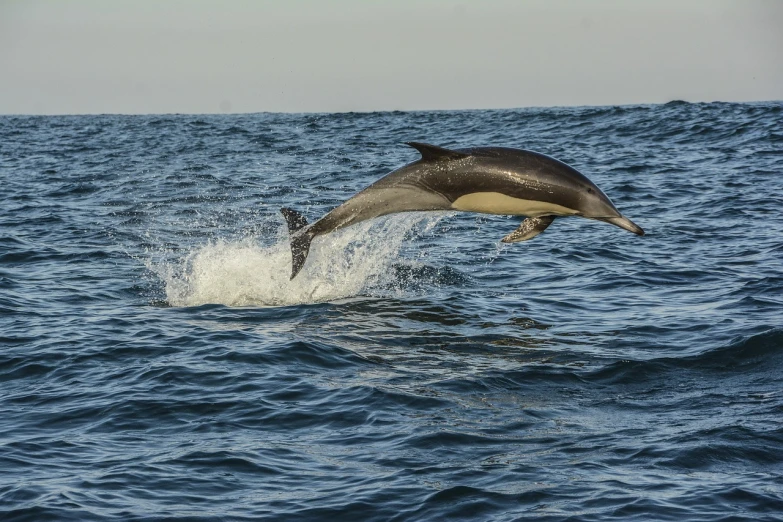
(157, 364)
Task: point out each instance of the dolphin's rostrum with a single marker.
(490, 180)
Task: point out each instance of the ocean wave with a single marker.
(757, 352)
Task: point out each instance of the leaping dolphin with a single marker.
(490, 180)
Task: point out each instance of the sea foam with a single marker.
(354, 261)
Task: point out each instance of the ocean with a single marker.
(156, 363)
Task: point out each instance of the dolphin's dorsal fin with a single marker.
(434, 153)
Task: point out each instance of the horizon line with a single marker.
(220, 113)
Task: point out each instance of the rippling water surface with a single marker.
(157, 363)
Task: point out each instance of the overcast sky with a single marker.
(191, 56)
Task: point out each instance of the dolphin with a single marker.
(489, 180)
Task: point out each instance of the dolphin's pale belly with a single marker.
(497, 203)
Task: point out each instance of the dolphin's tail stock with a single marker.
(300, 238)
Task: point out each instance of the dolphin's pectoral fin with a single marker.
(432, 152)
(529, 229)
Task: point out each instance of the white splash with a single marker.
(246, 273)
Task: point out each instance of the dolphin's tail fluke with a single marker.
(295, 220)
(300, 238)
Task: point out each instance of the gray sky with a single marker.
(191, 56)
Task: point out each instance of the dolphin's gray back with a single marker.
(515, 173)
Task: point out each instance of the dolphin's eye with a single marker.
(589, 190)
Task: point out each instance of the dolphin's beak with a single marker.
(624, 222)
